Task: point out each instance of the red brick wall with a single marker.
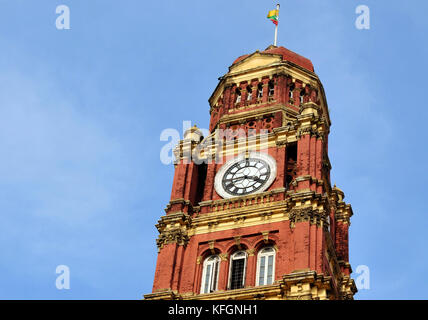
(300, 247)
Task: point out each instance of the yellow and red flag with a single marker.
(273, 16)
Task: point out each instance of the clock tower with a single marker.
(252, 213)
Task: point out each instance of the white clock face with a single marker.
(242, 176)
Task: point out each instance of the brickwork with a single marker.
(300, 214)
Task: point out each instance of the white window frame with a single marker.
(210, 260)
(233, 257)
(266, 255)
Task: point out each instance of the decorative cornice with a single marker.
(343, 212)
(179, 201)
(177, 236)
(297, 215)
(304, 281)
(310, 106)
(165, 294)
(173, 229)
(180, 218)
(298, 285)
(348, 288)
(308, 130)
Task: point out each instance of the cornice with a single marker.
(298, 285)
(251, 113)
(307, 214)
(344, 212)
(173, 228)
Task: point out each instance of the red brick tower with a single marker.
(252, 212)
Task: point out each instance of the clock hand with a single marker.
(247, 177)
(239, 178)
(255, 178)
(235, 179)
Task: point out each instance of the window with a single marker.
(238, 96)
(210, 274)
(271, 90)
(238, 263)
(249, 93)
(266, 266)
(259, 91)
(291, 91)
(302, 95)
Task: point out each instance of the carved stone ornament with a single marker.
(305, 214)
(176, 235)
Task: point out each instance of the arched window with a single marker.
(238, 95)
(238, 264)
(302, 95)
(265, 266)
(271, 87)
(249, 93)
(259, 91)
(210, 274)
(291, 91)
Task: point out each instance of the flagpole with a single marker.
(276, 27)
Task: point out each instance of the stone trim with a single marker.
(299, 285)
(305, 214)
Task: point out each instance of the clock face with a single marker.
(243, 176)
(246, 176)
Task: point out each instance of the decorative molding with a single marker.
(250, 252)
(224, 256)
(238, 241)
(265, 236)
(299, 285)
(307, 130)
(211, 246)
(281, 143)
(173, 228)
(177, 236)
(297, 215)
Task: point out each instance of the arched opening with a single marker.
(291, 91)
(259, 91)
(249, 93)
(271, 88)
(238, 95)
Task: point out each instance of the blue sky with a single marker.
(81, 112)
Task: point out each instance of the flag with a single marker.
(273, 16)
